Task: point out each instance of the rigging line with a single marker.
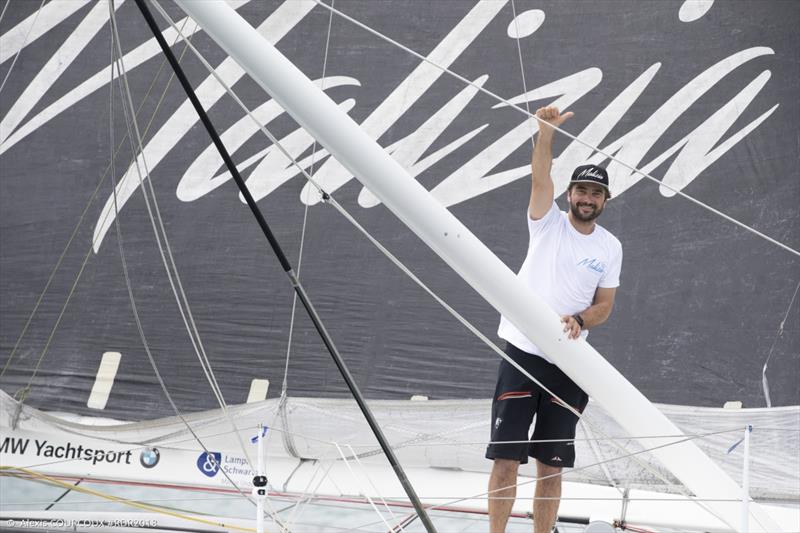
(24, 42)
(586, 144)
(371, 502)
(88, 205)
(126, 94)
(466, 323)
(34, 503)
(305, 211)
(285, 384)
(596, 452)
(369, 479)
(179, 34)
(576, 439)
(590, 499)
(778, 335)
(287, 267)
(123, 80)
(190, 325)
(125, 501)
(3, 13)
(61, 497)
(326, 197)
(136, 445)
(562, 473)
(23, 393)
(307, 495)
(563, 132)
(522, 67)
(154, 502)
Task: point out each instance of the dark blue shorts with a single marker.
(517, 399)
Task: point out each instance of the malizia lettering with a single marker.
(589, 173)
(43, 448)
(593, 264)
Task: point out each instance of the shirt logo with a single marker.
(593, 264)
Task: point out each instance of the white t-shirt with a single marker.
(565, 268)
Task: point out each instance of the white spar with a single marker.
(469, 257)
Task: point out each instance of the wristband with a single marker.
(578, 319)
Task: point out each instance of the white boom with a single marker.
(470, 258)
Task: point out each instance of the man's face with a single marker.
(586, 201)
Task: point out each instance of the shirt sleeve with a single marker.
(611, 276)
(548, 220)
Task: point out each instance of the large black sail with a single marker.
(702, 96)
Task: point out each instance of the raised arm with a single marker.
(541, 182)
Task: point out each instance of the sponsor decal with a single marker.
(149, 457)
(497, 422)
(211, 463)
(69, 451)
(208, 463)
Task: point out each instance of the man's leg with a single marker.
(547, 497)
(502, 491)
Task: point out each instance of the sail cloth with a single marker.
(700, 302)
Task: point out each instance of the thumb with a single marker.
(565, 116)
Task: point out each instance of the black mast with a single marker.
(287, 267)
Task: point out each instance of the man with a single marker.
(574, 265)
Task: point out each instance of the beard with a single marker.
(576, 211)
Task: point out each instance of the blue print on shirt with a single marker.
(593, 264)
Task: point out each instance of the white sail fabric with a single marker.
(452, 434)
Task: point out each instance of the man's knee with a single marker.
(547, 473)
(505, 467)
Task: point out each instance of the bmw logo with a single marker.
(149, 457)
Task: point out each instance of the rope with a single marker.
(175, 285)
(778, 335)
(285, 384)
(124, 84)
(569, 135)
(371, 502)
(83, 215)
(522, 67)
(24, 41)
(369, 479)
(332, 201)
(328, 198)
(123, 501)
(560, 474)
(5, 7)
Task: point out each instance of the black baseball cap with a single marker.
(591, 174)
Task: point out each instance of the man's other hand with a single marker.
(571, 327)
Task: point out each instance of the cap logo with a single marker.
(590, 173)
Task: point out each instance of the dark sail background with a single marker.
(701, 300)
